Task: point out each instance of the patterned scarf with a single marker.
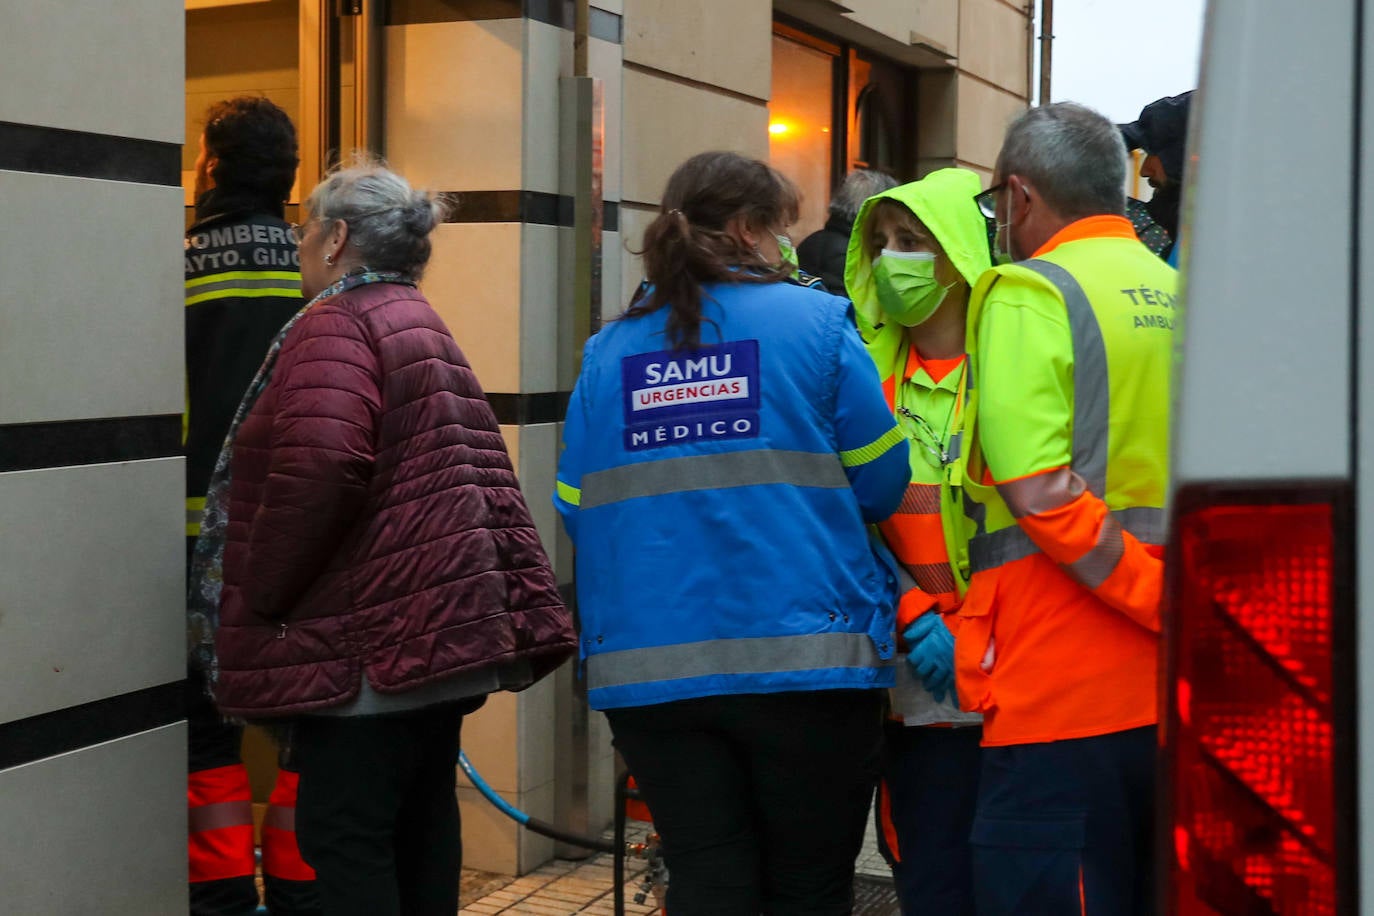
(206, 578)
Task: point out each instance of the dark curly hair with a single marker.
(255, 143)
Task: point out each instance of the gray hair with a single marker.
(857, 187)
(1071, 155)
(389, 222)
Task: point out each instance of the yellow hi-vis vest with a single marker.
(1071, 357)
(1111, 350)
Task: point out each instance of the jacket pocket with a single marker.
(1038, 864)
(972, 639)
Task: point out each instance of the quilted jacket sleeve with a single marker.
(322, 453)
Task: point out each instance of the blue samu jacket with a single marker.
(718, 497)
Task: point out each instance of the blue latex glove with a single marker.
(931, 654)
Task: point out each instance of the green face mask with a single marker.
(906, 285)
(789, 253)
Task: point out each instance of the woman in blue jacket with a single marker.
(725, 446)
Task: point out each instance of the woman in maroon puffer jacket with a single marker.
(381, 572)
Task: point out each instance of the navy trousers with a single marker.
(1067, 827)
(926, 800)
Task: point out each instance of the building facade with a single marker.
(554, 132)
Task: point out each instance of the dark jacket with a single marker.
(376, 527)
(822, 253)
(243, 282)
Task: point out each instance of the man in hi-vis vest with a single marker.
(1068, 440)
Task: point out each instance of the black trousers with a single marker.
(761, 799)
(926, 800)
(1067, 827)
(377, 814)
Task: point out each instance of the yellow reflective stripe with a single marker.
(291, 275)
(570, 495)
(195, 508)
(241, 293)
(874, 450)
(186, 414)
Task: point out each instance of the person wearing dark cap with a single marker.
(1161, 132)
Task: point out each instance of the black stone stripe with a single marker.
(26, 446)
(77, 154)
(602, 24)
(524, 409)
(26, 740)
(537, 207)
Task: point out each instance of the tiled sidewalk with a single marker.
(564, 888)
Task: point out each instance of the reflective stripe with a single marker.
(1041, 492)
(195, 508)
(570, 495)
(235, 277)
(995, 548)
(1097, 565)
(239, 292)
(279, 818)
(218, 815)
(935, 579)
(920, 499)
(874, 450)
(711, 472)
(988, 551)
(1091, 394)
(760, 655)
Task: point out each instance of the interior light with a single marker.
(778, 127)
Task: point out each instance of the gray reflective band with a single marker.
(1091, 394)
(279, 818)
(988, 551)
(760, 655)
(710, 472)
(219, 815)
(1097, 565)
(1148, 524)
(193, 516)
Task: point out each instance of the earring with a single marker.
(329, 259)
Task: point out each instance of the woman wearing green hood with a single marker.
(915, 253)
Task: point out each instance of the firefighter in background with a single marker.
(914, 255)
(243, 283)
(1067, 436)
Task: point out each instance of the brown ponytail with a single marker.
(687, 244)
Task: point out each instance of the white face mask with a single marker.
(1001, 255)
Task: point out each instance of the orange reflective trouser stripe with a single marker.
(220, 824)
(281, 855)
(885, 821)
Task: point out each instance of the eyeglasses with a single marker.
(987, 201)
(297, 231)
(927, 439)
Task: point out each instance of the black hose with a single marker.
(533, 823)
(574, 839)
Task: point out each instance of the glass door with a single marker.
(319, 60)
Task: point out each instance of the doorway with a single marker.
(319, 60)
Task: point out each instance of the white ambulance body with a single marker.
(1269, 699)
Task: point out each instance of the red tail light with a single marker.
(1258, 591)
